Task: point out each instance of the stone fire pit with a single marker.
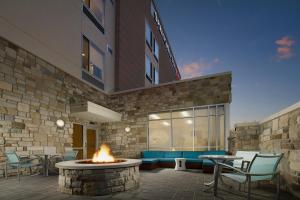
(82, 177)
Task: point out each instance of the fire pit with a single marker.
(101, 175)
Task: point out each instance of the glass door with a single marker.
(78, 140)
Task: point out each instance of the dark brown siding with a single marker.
(130, 45)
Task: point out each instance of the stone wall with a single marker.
(137, 104)
(279, 134)
(33, 95)
(245, 136)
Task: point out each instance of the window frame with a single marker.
(87, 7)
(88, 71)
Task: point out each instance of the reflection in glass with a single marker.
(182, 114)
(183, 134)
(160, 135)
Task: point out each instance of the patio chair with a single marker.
(245, 162)
(262, 167)
(15, 162)
(70, 155)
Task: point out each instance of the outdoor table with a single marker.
(46, 162)
(217, 159)
(180, 164)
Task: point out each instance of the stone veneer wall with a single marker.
(34, 94)
(137, 104)
(278, 135)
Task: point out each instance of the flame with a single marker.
(103, 155)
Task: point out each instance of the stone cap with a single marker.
(73, 164)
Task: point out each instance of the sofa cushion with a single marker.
(153, 154)
(167, 160)
(193, 160)
(150, 160)
(214, 153)
(173, 154)
(192, 154)
(207, 162)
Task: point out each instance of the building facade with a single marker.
(94, 40)
(142, 41)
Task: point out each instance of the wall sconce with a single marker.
(60, 123)
(127, 129)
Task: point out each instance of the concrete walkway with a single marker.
(156, 184)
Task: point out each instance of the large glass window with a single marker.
(155, 76)
(92, 59)
(199, 128)
(97, 7)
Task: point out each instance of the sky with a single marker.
(257, 40)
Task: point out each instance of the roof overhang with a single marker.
(93, 112)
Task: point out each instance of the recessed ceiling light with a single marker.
(189, 121)
(154, 116)
(185, 114)
(83, 54)
(166, 123)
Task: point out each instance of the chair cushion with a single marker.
(153, 154)
(192, 154)
(150, 160)
(173, 154)
(237, 177)
(194, 160)
(167, 160)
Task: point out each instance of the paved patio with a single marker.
(156, 184)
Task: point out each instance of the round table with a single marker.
(180, 163)
(218, 159)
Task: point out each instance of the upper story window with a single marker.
(148, 34)
(155, 48)
(95, 12)
(155, 76)
(92, 59)
(148, 68)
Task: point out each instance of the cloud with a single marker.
(193, 69)
(285, 48)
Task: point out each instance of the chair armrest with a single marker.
(261, 174)
(233, 168)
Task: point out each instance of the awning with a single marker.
(93, 112)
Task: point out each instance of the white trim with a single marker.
(282, 112)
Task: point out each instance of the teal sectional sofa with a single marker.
(155, 159)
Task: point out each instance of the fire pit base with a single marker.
(98, 179)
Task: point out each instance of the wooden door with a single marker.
(90, 142)
(78, 140)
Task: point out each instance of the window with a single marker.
(97, 8)
(155, 76)
(148, 34)
(148, 67)
(85, 53)
(155, 48)
(92, 59)
(200, 128)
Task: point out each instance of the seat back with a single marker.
(70, 155)
(12, 157)
(49, 150)
(265, 164)
(247, 156)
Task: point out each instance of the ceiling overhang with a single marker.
(93, 112)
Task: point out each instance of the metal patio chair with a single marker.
(16, 162)
(262, 167)
(70, 155)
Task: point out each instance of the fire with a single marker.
(103, 155)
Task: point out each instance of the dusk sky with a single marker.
(259, 41)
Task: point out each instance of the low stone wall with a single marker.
(278, 134)
(98, 182)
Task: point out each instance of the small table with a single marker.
(46, 162)
(180, 164)
(217, 159)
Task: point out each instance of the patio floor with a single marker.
(155, 184)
